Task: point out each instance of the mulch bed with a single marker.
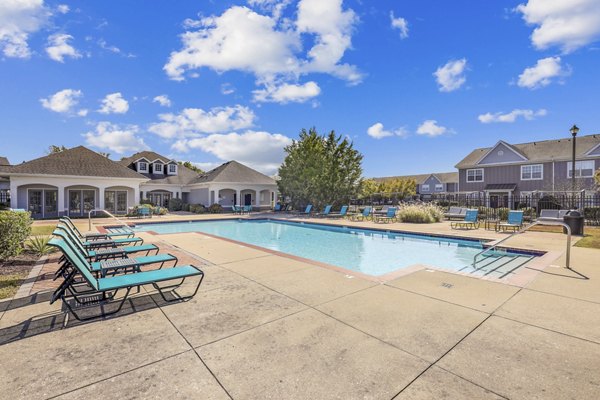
(20, 264)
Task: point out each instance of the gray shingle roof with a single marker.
(444, 177)
(542, 151)
(184, 175)
(234, 172)
(78, 161)
(4, 161)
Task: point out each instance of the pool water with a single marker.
(367, 251)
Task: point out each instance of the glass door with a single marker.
(50, 203)
(35, 203)
(74, 202)
(121, 203)
(109, 201)
(89, 200)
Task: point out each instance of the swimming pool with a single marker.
(370, 252)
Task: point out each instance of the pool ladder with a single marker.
(538, 222)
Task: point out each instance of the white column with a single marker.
(237, 197)
(61, 201)
(13, 194)
(136, 195)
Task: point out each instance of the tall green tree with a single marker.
(191, 166)
(320, 170)
(55, 149)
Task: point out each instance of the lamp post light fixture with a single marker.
(574, 130)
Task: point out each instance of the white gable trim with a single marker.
(508, 146)
(590, 151)
(141, 159)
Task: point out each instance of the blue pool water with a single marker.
(368, 251)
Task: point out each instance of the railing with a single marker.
(556, 223)
(123, 223)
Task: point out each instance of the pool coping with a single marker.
(521, 278)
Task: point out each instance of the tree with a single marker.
(320, 170)
(597, 178)
(55, 149)
(191, 166)
(398, 188)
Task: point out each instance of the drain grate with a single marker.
(447, 285)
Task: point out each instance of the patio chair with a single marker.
(455, 213)
(103, 291)
(93, 236)
(390, 216)
(143, 212)
(364, 215)
(343, 212)
(307, 211)
(514, 222)
(325, 212)
(102, 243)
(107, 253)
(552, 215)
(470, 221)
(115, 265)
(277, 207)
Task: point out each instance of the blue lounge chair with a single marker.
(390, 216)
(307, 211)
(470, 221)
(101, 243)
(341, 214)
(94, 236)
(107, 253)
(325, 212)
(277, 207)
(514, 222)
(102, 291)
(364, 215)
(114, 265)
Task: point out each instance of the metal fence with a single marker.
(496, 207)
(492, 206)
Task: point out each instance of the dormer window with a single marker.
(158, 168)
(142, 166)
(172, 169)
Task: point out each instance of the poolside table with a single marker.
(490, 224)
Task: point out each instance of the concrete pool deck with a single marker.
(267, 326)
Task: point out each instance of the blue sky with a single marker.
(415, 84)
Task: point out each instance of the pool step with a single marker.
(498, 265)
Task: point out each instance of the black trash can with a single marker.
(575, 221)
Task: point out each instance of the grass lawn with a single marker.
(9, 284)
(591, 238)
(42, 230)
(13, 272)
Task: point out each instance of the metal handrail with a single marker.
(551, 223)
(110, 215)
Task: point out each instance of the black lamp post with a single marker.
(574, 129)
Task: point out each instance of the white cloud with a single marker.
(287, 93)
(114, 103)
(118, 139)
(163, 100)
(83, 112)
(260, 150)
(511, 116)
(227, 88)
(431, 128)
(244, 40)
(63, 8)
(195, 121)
(542, 73)
(451, 75)
(275, 7)
(18, 20)
(401, 24)
(113, 49)
(567, 24)
(62, 101)
(58, 47)
(378, 132)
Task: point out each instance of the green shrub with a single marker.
(185, 207)
(502, 213)
(39, 245)
(175, 204)
(15, 227)
(420, 213)
(197, 208)
(215, 208)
